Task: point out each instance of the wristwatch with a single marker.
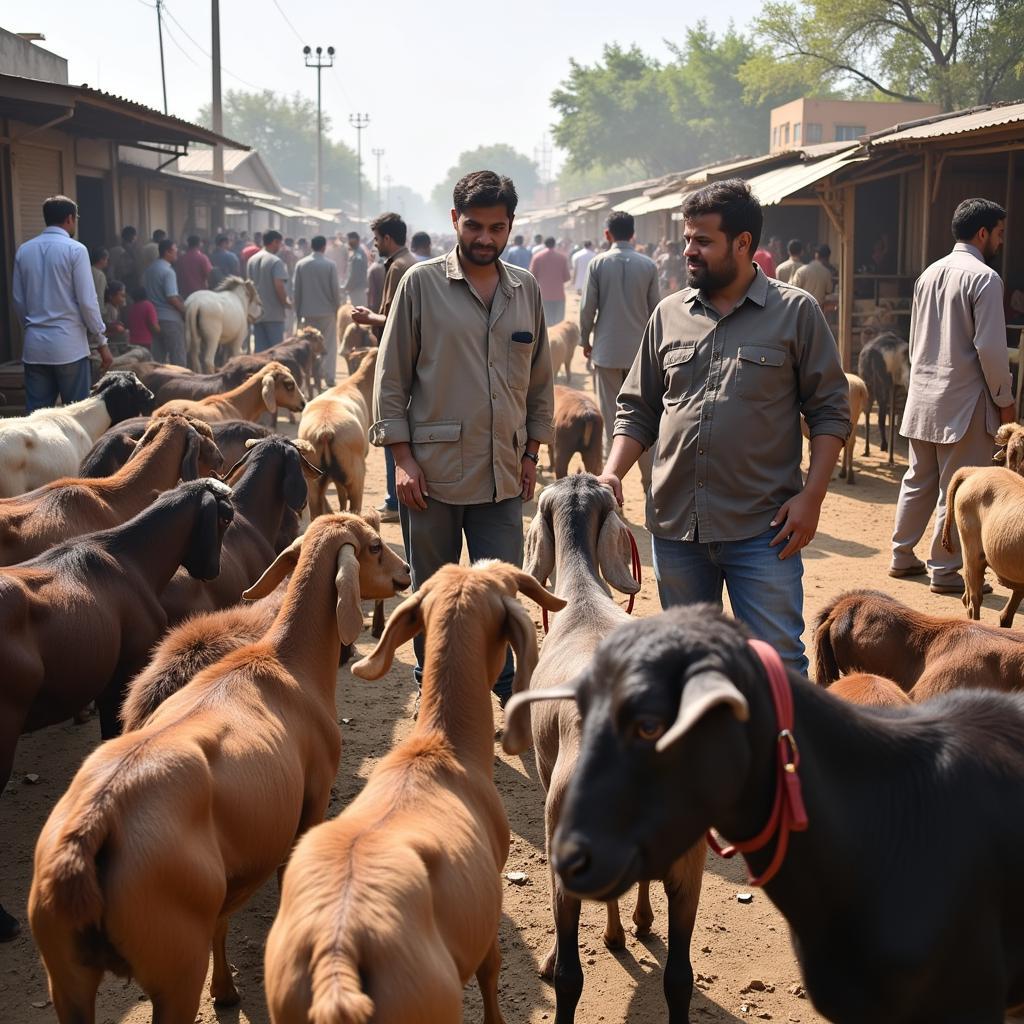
(534, 457)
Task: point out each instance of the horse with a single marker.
(220, 317)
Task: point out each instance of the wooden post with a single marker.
(846, 278)
(926, 213)
(1011, 174)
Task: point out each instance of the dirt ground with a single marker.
(733, 945)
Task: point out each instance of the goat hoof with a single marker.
(615, 939)
(231, 998)
(9, 926)
(642, 928)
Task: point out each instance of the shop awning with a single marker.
(773, 187)
(631, 205)
(655, 204)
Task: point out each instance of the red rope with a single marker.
(636, 568)
(788, 811)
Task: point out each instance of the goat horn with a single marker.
(515, 737)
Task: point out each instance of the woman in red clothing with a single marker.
(142, 322)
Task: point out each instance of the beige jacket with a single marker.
(464, 385)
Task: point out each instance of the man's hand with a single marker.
(587, 351)
(411, 484)
(528, 478)
(106, 359)
(361, 315)
(798, 518)
(613, 483)
(1008, 413)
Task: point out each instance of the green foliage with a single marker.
(500, 158)
(572, 183)
(283, 130)
(957, 53)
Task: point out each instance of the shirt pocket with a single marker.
(520, 359)
(761, 373)
(437, 448)
(678, 365)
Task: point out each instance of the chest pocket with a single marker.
(520, 359)
(679, 367)
(763, 373)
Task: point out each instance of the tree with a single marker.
(283, 130)
(502, 159)
(954, 52)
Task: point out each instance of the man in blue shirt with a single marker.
(161, 284)
(518, 255)
(55, 298)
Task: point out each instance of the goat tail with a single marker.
(588, 432)
(826, 665)
(338, 996)
(954, 485)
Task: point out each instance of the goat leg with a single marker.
(682, 888)
(487, 978)
(867, 425)
(567, 975)
(614, 934)
(1010, 609)
(892, 425)
(222, 985)
(377, 625)
(643, 915)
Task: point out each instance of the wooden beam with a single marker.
(1011, 175)
(938, 176)
(926, 198)
(846, 279)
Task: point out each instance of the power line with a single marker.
(188, 56)
(192, 40)
(287, 20)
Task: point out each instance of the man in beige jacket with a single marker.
(463, 394)
(960, 388)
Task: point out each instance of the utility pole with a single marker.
(319, 61)
(160, 36)
(216, 106)
(378, 153)
(387, 181)
(359, 122)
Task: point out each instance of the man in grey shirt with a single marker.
(268, 272)
(725, 371)
(358, 269)
(620, 292)
(161, 285)
(317, 298)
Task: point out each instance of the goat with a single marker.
(562, 341)
(115, 447)
(182, 820)
(925, 655)
(387, 910)
(266, 483)
(858, 400)
(679, 734)
(1010, 442)
(355, 343)
(576, 530)
(272, 385)
(337, 423)
(194, 386)
(884, 366)
(50, 443)
(344, 319)
(578, 427)
(987, 505)
(302, 354)
(78, 621)
(869, 691)
(173, 447)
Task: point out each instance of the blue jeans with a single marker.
(767, 595)
(266, 334)
(44, 382)
(391, 498)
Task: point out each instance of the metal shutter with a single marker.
(37, 176)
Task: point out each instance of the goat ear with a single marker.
(296, 494)
(371, 516)
(405, 622)
(522, 635)
(531, 588)
(276, 571)
(540, 549)
(349, 613)
(614, 554)
(702, 692)
(1015, 452)
(190, 460)
(1005, 432)
(267, 389)
(517, 734)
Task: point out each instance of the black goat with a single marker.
(903, 894)
(884, 366)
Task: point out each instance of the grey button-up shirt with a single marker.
(464, 385)
(317, 292)
(721, 398)
(957, 348)
(619, 293)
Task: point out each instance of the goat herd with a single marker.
(885, 819)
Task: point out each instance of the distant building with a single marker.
(808, 122)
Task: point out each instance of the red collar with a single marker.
(788, 811)
(635, 567)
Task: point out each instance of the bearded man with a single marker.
(463, 394)
(725, 370)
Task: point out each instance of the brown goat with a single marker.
(1010, 442)
(271, 386)
(562, 341)
(344, 319)
(578, 427)
(925, 655)
(869, 691)
(337, 424)
(194, 386)
(166, 831)
(172, 448)
(387, 910)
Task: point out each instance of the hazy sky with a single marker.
(436, 77)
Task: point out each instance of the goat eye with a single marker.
(649, 730)
(376, 548)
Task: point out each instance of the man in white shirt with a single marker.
(55, 298)
(580, 261)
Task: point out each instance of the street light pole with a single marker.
(378, 153)
(319, 61)
(217, 108)
(359, 122)
(160, 36)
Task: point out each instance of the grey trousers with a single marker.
(607, 383)
(328, 327)
(169, 344)
(923, 491)
(434, 538)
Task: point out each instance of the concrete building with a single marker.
(21, 56)
(808, 122)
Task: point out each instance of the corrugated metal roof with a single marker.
(668, 201)
(630, 205)
(957, 123)
(775, 185)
